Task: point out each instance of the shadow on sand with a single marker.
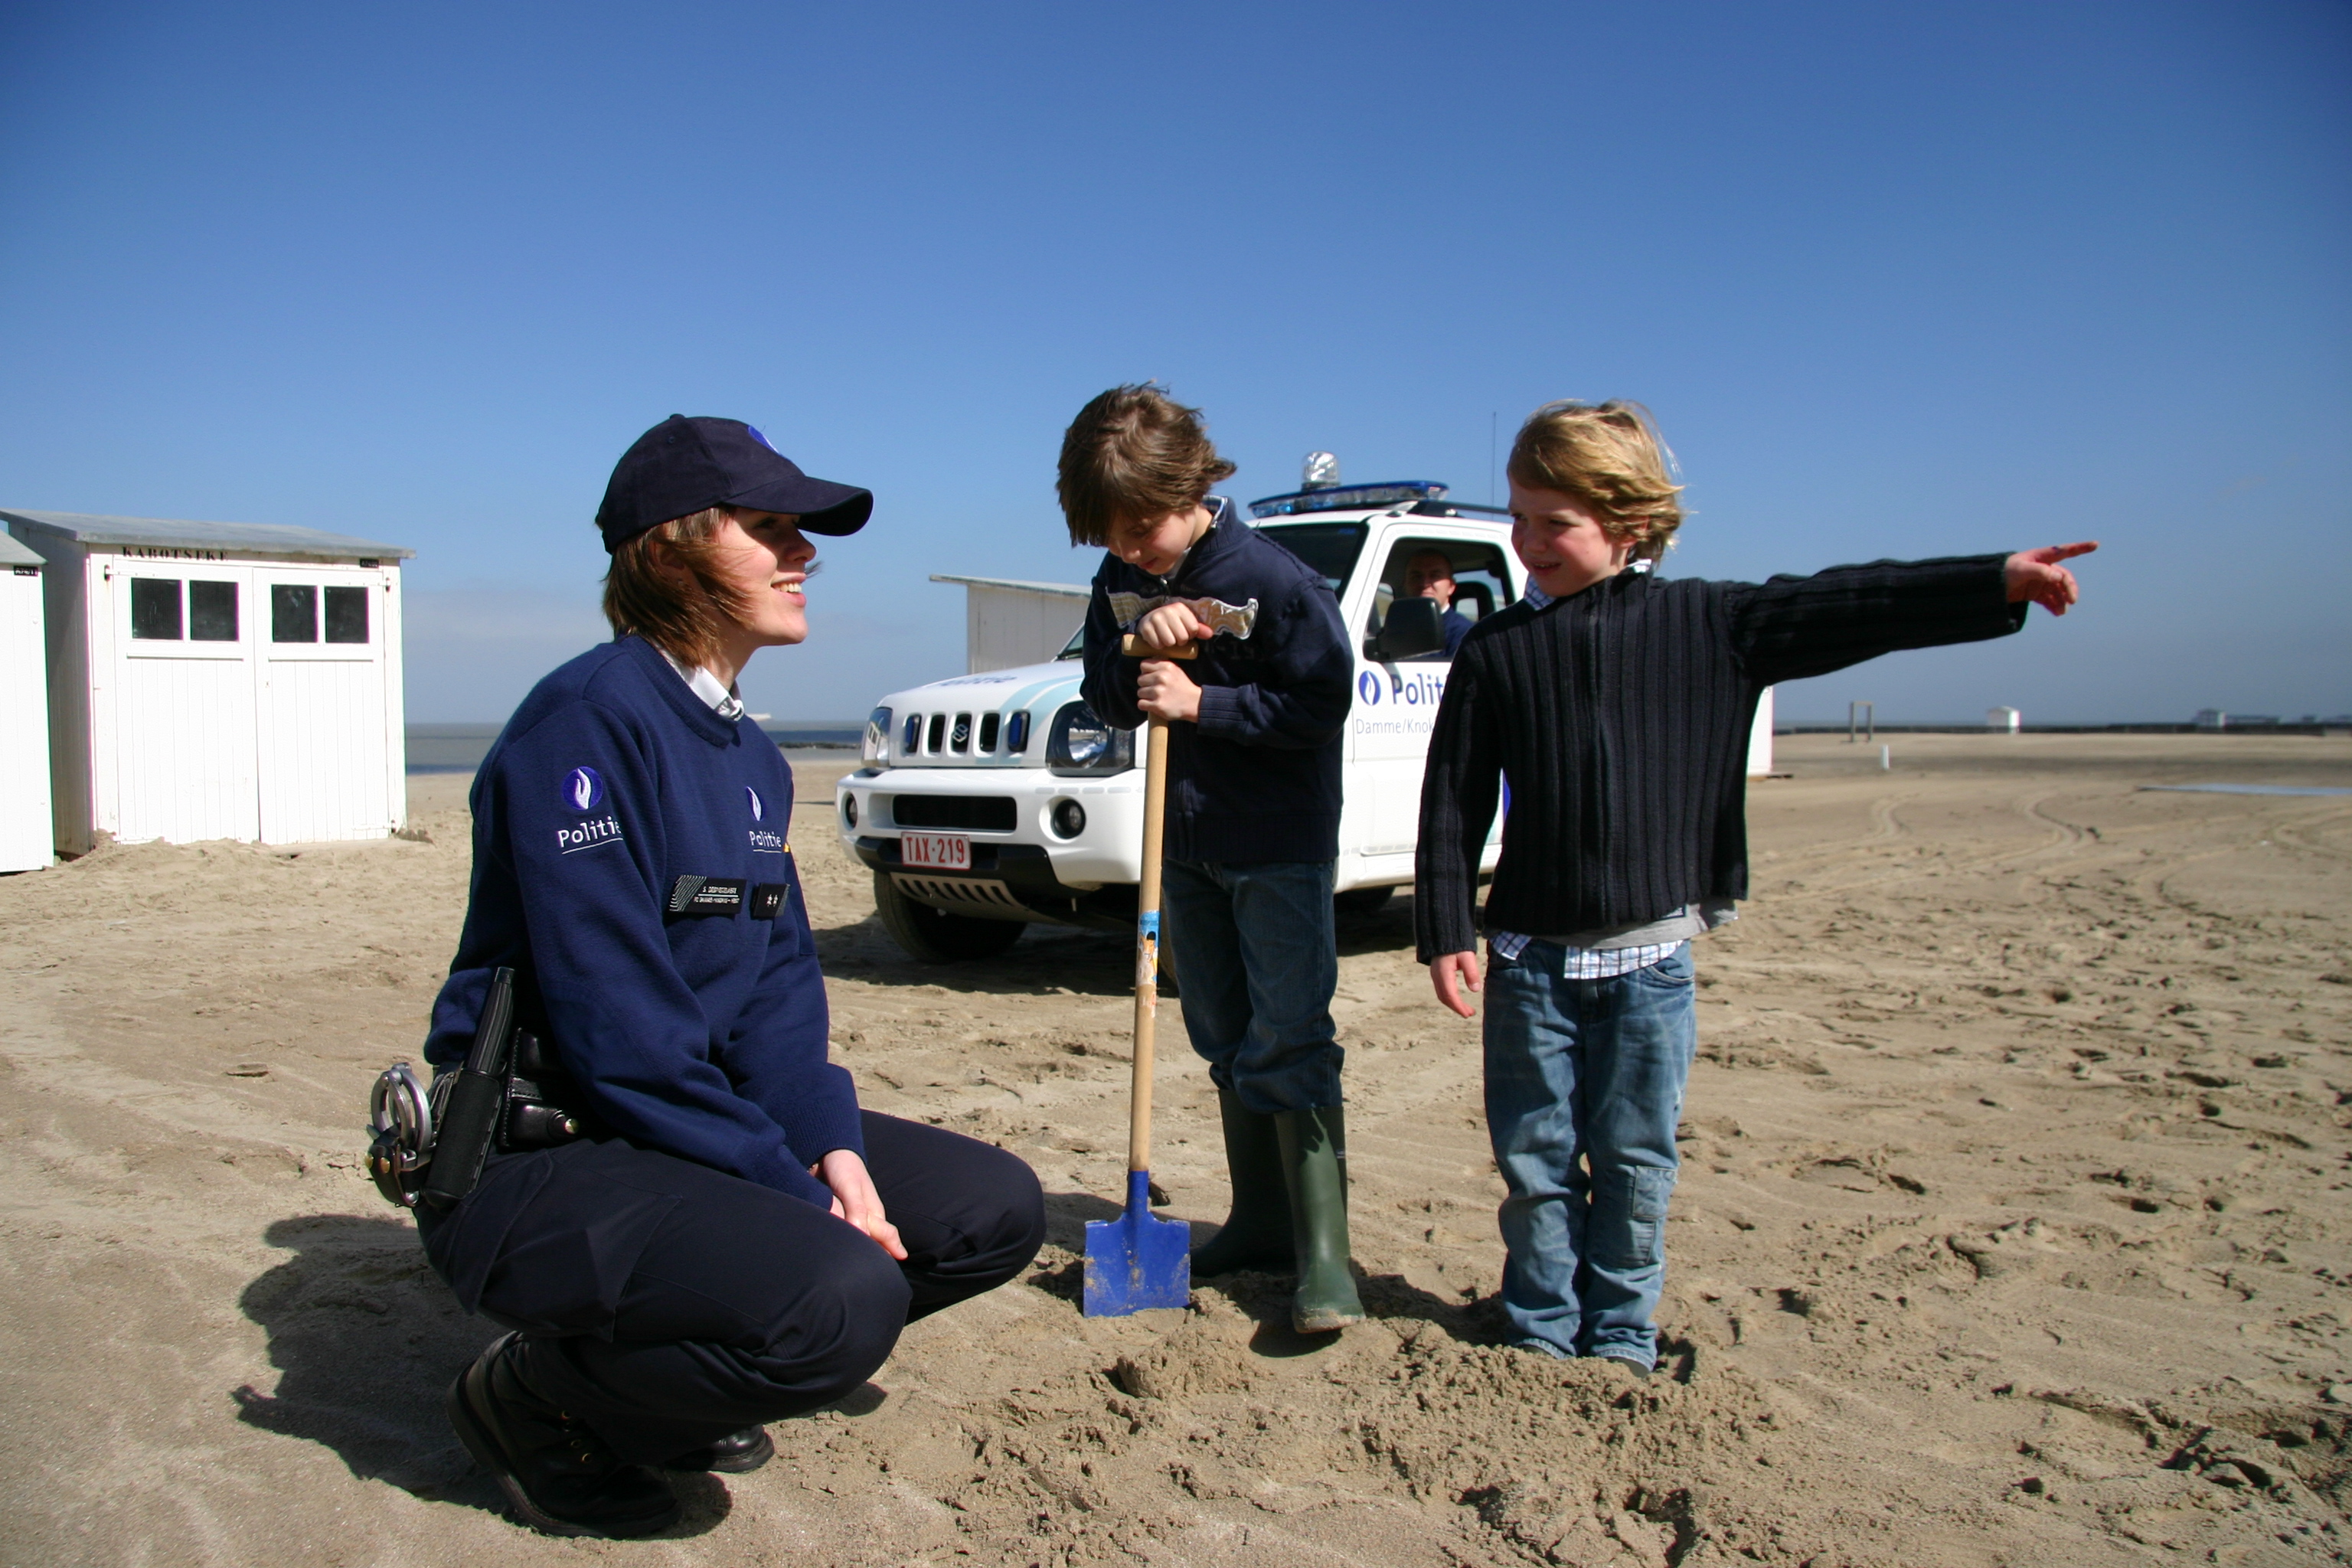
(366, 1340)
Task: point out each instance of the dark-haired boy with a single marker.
(1253, 821)
(1618, 705)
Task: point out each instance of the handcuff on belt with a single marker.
(510, 1094)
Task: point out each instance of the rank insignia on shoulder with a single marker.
(693, 895)
(767, 899)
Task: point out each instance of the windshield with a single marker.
(1329, 549)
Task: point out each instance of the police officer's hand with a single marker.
(855, 1199)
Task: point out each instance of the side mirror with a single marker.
(1412, 629)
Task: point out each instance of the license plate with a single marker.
(935, 851)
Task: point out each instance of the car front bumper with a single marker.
(1028, 872)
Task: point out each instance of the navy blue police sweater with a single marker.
(1258, 778)
(691, 1014)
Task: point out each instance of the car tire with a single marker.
(935, 936)
(1357, 903)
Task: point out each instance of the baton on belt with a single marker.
(463, 1141)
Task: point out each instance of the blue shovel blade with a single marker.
(1136, 1262)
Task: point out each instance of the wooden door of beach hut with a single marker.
(174, 730)
(322, 703)
(26, 828)
(219, 680)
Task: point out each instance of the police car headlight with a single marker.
(1081, 743)
(877, 740)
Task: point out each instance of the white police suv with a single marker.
(992, 800)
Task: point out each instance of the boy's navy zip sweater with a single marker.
(702, 1035)
(1620, 717)
(1258, 778)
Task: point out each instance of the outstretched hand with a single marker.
(2035, 574)
(855, 1199)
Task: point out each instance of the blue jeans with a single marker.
(1584, 1088)
(1256, 959)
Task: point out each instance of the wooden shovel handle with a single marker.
(1147, 947)
(1134, 646)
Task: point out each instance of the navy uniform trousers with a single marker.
(666, 1304)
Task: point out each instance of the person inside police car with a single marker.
(727, 1238)
(1430, 575)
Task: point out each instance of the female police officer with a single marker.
(732, 1240)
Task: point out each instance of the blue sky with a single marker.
(1897, 280)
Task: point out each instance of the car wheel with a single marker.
(936, 936)
(1360, 901)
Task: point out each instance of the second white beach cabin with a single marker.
(219, 680)
(25, 826)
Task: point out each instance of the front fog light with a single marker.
(849, 809)
(1069, 818)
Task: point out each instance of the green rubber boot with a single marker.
(1315, 1161)
(1256, 1233)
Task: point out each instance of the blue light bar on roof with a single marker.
(1396, 492)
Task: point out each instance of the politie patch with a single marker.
(583, 789)
(758, 812)
(592, 834)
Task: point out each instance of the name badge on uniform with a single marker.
(691, 895)
(767, 899)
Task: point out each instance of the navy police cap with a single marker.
(683, 466)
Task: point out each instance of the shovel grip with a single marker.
(1134, 646)
(1147, 947)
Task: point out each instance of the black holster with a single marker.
(543, 1108)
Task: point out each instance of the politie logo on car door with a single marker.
(583, 789)
(1368, 687)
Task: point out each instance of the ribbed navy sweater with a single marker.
(1620, 717)
(703, 1033)
(1258, 778)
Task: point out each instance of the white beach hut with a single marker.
(219, 680)
(25, 830)
(1008, 623)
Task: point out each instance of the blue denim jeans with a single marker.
(1256, 959)
(1584, 1088)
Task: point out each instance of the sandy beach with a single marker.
(2012, 1227)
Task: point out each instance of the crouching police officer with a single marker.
(684, 1218)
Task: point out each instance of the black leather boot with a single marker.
(1315, 1162)
(736, 1453)
(553, 1469)
(1257, 1232)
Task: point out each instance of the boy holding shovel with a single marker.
(1252, 816)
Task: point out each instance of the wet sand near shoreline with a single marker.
(2013, 1224)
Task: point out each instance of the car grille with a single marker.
(950, 891)
(976, 737)
(982, 813)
